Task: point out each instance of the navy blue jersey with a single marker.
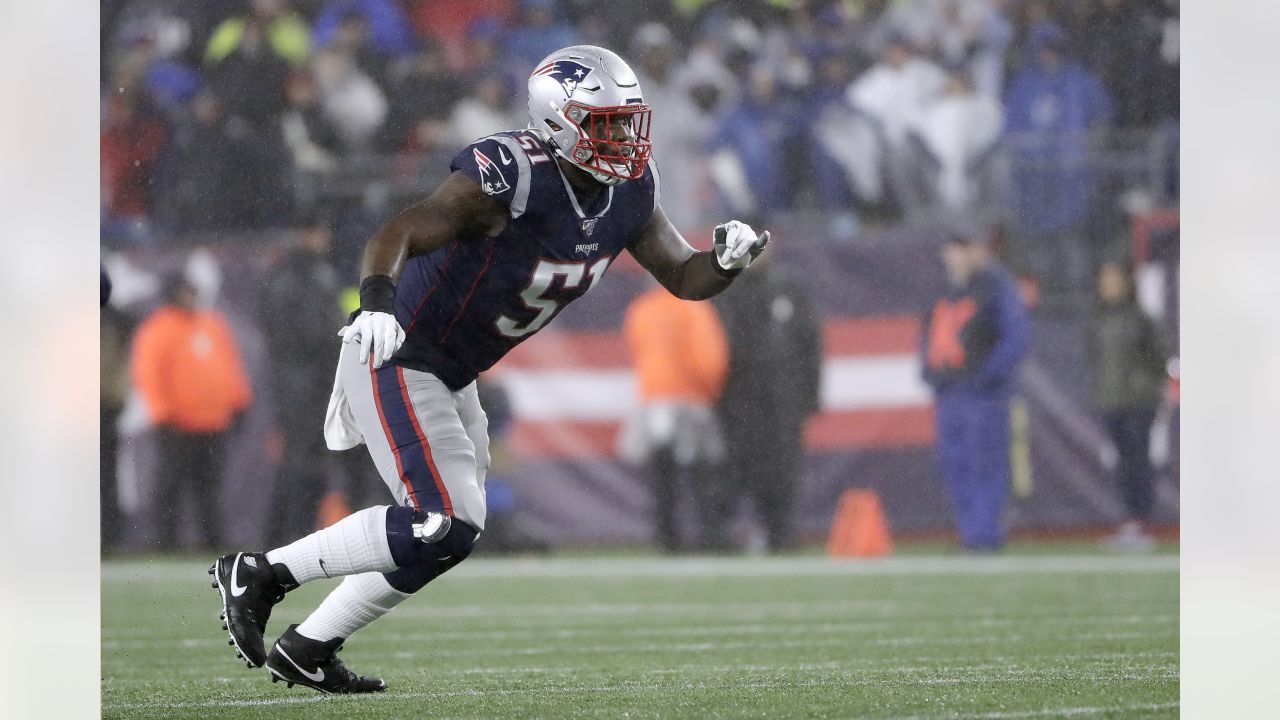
(468, 303)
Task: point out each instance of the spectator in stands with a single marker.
(389, 30)
(419, 125)
(945, 29)
(352, 100)
(988, 61)
(894, 94)
(133, 136)
(653, 51)
(1050, 108)
(680, 356)
(312, 139)
(168, 82)
(187, 367)
(740, 46)
(975, 337)
(959, 133)
(748, 148)
(351, 38)
(249, 58)
(1128, 353)
(688, 120)
(1025, 17)
(834, 31)
(539, 33)
(829, 131)
(178, 30)
(300, 342)
(222, 173)
(1119, 46)
(271, 22)
(484, 111)
(771, 390)
(421, 100)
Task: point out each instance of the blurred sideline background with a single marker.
(236, 135)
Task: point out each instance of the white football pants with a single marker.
(431, 445)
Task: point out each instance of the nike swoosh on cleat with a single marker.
(505, 160)
(323, 569)
(317, 676)
(237, 590)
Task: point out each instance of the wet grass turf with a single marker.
(1025, 635)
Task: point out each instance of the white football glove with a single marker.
(379, 336)
(736, 245)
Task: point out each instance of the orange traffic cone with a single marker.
(333, 508)
(859, 528)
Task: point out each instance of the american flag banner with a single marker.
(572, 390)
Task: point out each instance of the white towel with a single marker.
(340, 429)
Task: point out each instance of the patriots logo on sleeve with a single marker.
(491, 178)
(566, 72)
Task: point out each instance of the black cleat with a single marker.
(249, 589)
(296, 659)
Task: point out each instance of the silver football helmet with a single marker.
(587, 103)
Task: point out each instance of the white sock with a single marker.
(355, 544)
(358, 601)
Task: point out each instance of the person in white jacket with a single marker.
(897, 90)
(958, 133)
(891, 96)
(351, 99)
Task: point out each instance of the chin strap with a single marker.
(605, 179)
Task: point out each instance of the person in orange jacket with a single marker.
(187, 367)
(681, 357)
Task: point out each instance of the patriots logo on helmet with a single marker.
(568, 73)
(491, 179)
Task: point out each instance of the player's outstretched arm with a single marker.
(690, 274)
(457, 210)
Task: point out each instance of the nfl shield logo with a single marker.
(589, 225)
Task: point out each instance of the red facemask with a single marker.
(614, 140)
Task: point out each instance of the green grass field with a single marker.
(1031, 634)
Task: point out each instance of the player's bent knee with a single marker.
(419, 562)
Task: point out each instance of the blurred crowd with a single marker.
(238, 115)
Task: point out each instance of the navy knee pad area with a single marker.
(420, 563)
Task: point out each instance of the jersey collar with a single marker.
(573, 197)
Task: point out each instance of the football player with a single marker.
(527, 222)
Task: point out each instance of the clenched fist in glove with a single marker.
(737, 245)
(378, 333)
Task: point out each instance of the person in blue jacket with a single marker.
(1052, 108)
(975, 336)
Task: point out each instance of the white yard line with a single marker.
(777, 627)
(705, 567)
(579, 616)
